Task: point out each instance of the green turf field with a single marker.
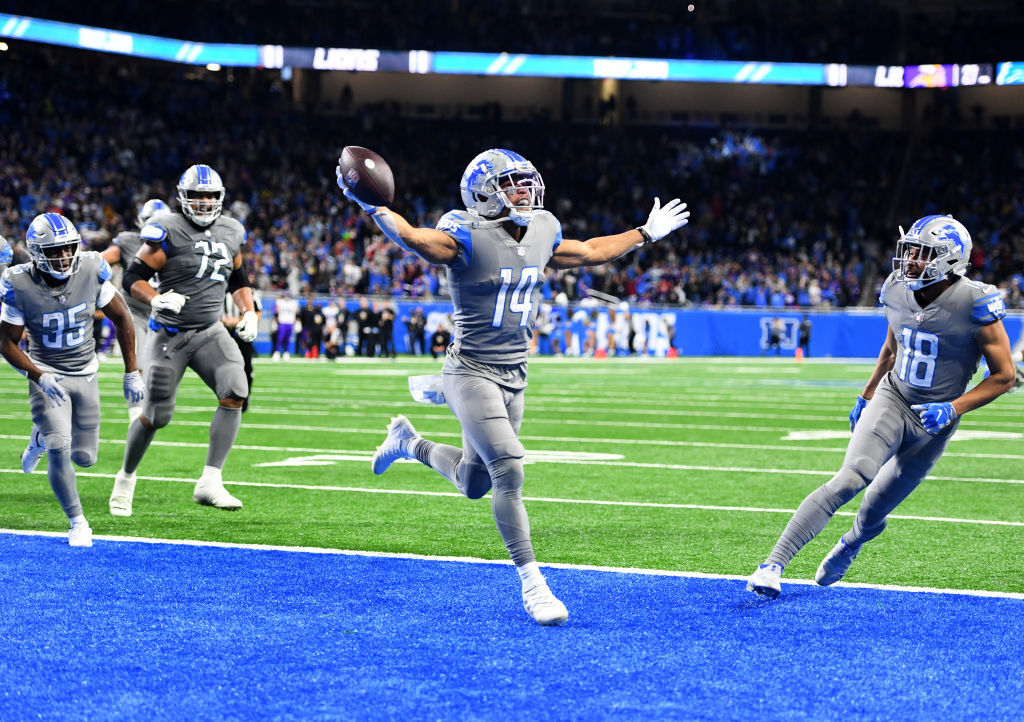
(688, 464)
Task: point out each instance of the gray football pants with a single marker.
(890, 453)
(209, 352)
(69, 432)
(491, 454)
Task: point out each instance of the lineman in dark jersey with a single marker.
(940, 325)
(122, 251)
(54, 298)
(496, 251)
(197, 254)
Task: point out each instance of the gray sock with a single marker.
(810, 518)
(62, 481)
(223, 431)
(135, 447)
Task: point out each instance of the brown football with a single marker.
(367, 175)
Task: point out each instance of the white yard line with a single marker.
(539, 499)
(503, 562)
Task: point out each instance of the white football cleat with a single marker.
(395, 446)
(544, 606)
(80, 534)
(33, 452)
(836, 563)
(121, 497)
(213, 493)
(767, 580)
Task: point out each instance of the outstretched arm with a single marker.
(602, 249)
(430, 244)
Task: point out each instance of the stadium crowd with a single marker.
(875, 32)
(795, 218)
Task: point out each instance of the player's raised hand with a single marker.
(856, 411)
(50, 384)
(664, 220)
(935, 416)
(246, 328)
(171, 302)
(134, 387)
(371, 209)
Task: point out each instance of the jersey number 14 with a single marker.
(520, 300)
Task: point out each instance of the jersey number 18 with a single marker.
(920, 349)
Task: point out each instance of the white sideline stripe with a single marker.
(542, 499)
(507, 563)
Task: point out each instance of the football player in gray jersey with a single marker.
(54, 298)
(940, 326)
(197, 253)
(122, 252)
(496, 252)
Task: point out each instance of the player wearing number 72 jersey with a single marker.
(496, 252)
(198, 256)
(940, 325)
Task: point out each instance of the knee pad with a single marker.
(83, 458)
(161, 383)
(56, 442)
(476, 479)
(231, 383)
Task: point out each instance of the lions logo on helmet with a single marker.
(934, 248)
(54, 245)
(149, 209)
(201, 194)
(491, 175)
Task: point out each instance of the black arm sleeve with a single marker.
(137, 271)
(238, 279)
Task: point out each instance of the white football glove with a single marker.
(50, 384)
(663, 221)
(171, 302)
(134, 387)
(248, 326)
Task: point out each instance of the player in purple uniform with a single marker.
(940, 326)
(496, 251)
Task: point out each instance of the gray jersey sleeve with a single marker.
(58, 320)
(936, 348)
(199, 261)
(6, 254)
(495, 284)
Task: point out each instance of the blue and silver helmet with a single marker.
(201, 194)
(149, 209)
(54, 245)
(934, 248)
(491, 174)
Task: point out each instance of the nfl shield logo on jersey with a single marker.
(521, 251)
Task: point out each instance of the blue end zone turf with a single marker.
(163, 631)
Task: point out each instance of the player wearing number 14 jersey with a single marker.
(940, 325)
(197, 253)
(496, 252)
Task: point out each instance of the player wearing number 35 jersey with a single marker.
(53, 299)
(496, 252)
(940, 325)
(198, 256)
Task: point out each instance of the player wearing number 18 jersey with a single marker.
(496, 251)
(197, 253)
(940, 325)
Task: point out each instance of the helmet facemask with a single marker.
(59, 261)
